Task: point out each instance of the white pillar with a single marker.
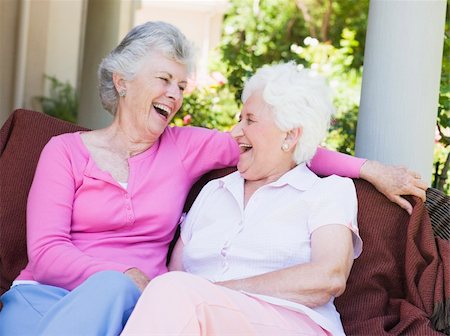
(24, 21)
(10, 25)
(400, 87)
(106, 24)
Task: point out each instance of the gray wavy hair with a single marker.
(127, 57)
(297, 98)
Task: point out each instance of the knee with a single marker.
(111, 281)
(169, 292)
(174, 279)
(175, 284)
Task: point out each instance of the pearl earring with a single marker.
(122, 92)
(285, 146)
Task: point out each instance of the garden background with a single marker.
(325, 35)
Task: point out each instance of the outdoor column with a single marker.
(400, 86)
(11, 36)
(106, 23)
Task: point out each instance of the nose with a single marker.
(173, 91)
(236, 131)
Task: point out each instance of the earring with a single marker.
(285, 146)
(122, 92)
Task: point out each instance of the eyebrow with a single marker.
(171, 76)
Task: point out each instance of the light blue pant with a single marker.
(99, 306)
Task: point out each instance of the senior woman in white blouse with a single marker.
(269, 247)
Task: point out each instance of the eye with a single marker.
(182, 88)
(250, 121)
(164, 79)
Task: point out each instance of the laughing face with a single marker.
(154, 95)
(260, 142)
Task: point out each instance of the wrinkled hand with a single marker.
(138, 277)
(394, 181)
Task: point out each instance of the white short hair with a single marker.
(297, 97)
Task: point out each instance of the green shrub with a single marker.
(62, 101)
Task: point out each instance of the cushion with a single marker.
(22, 138)
(394, 286)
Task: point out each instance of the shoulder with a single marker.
(63, 141)
(215, 186)
(65, 137)
(334, 192)
(210, 187)
(61, 153)
(66, 149)
(334, 185)
(332, 200)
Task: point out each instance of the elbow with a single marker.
(336, 276)
(334, 289)
(336, 284)
(333, 285)
(318, 300)
(40, 270)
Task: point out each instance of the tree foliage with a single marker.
(442, 147)
(326, 35)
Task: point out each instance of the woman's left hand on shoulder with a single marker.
(394, 182)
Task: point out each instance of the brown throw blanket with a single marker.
(438, 205)
(403, 275)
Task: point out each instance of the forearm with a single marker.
(326, 162)
(314, 283)
(68, 267)
(309, 284)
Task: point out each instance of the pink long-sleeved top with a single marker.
(81, 221)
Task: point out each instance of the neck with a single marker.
(127, 140)
(274, 175)
(251, 186)
(256, 184)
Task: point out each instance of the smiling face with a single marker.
(153, 96)
(260, 142)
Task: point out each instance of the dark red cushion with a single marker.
(22, 138)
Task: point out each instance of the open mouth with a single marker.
(162, 109)
(245, 147)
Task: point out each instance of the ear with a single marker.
(293, 135)
(119, 82)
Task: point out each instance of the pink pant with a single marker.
(179, 303)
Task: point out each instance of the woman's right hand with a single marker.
(140, 278)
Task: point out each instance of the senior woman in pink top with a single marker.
(274, 241)
(110, 199)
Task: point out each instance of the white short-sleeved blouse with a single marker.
(225, 241)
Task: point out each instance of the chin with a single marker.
(244, 174)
